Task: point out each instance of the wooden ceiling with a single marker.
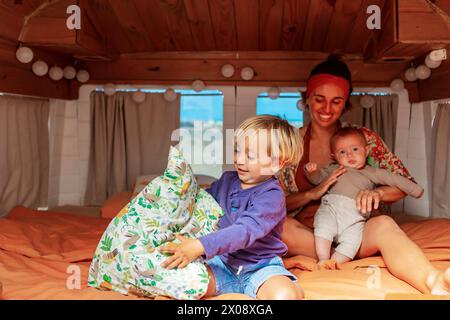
(130, 26)
(176, 41)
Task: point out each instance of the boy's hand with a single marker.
(183, 253)
(311, 167)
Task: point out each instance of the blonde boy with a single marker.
(244, 255)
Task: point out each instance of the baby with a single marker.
(338, 218)
(244, 255)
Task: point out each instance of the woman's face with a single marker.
(326, 104)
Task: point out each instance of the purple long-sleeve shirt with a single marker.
(250, 230)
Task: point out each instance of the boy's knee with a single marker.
(292, 292)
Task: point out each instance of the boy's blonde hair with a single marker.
(280, 133)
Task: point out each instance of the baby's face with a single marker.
(351, 151)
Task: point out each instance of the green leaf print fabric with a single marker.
(127, 259)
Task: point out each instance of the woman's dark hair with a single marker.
(336, 67)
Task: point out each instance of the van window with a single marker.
(285, 106)
(201, 137)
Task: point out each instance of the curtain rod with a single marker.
(162, 91)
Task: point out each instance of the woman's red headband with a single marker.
(323, 78)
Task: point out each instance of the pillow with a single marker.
(204, 181)
(113, 205)
(142, 182)
(127, 260)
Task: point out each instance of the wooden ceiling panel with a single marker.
(342, 21)
(156, 24)
(295, 17)
(358, 35)
(318, 23)
(247, 24)
(418, 21)
(177, 22)
(101, 14)
(197, 12)
(443, 5)
(270, 24)
(22, 7)
(224, 24)
(131, 24)
(14, 23)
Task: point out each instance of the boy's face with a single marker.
(252, 161)
(351, 151)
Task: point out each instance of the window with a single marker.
(201, 130)
(285, 107)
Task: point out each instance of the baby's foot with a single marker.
(439, 282)
(329, 264)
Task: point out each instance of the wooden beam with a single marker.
(271, 68)
(235, 55)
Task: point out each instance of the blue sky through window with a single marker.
(207, 106)
(285, 107)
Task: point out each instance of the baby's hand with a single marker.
(183, 253)
(311, 167)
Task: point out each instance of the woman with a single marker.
(327, 96)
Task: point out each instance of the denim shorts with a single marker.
(249, 279)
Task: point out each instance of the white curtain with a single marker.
(441, 162)
(381, 117)
(128, 140)
(24, 152)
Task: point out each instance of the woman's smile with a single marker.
(325, 116)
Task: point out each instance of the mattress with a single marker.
(46, 255)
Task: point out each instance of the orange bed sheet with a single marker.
(42, 254)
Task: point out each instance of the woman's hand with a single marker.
(183, 253)
(368, 200)
(317, 192)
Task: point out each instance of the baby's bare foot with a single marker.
(439, 282)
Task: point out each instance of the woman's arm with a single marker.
(297, 200)
(390, 194)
